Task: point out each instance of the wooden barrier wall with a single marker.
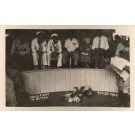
(53, 80)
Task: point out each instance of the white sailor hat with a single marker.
(39, 32)
(54, 35)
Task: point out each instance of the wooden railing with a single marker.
(54, 80)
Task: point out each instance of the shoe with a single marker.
(59, 67)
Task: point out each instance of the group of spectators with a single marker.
(87, 52)
(91, 52)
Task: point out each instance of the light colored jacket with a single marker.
(103, 43)
(35, 46)
(51, 46)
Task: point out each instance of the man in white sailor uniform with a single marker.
(54, 49)
(39, 50)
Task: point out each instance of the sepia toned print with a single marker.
(74, 67)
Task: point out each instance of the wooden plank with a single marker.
(53, 81)
(66, 79)
(73, 79)
(102, 78)
(77, 78)
(83, 77)
(93, 80)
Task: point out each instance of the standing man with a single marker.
(39, 50)
(120, 46)
(71, 49)
(54, 50)
(100, 47)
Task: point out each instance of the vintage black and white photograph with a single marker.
(67, 68)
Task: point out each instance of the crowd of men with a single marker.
(93, 53)
(86, 52)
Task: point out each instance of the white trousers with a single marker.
(59, 63)
(36, 58)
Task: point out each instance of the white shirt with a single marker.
(35, 46)
(103, 43)
(71, 45)
(52, 46)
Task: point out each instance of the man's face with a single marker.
(55, 39)
(117, 38)
(109, 39)
(83, 34)
(21, 37)
(99, 33)
(40, 38)
(71, 35)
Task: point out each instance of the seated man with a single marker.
(54, 50)
(71, 50)
(21, 51)
(112, 46)
(85, 47)
(39, 50)
(100, 47)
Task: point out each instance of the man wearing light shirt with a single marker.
(20, 51)
(119, 48)
(71, 45)
(54, 50)
(100, 46)
(39, 49)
